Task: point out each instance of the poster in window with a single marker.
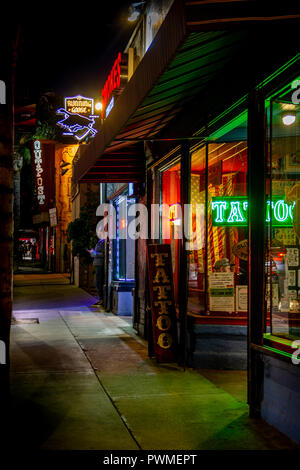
(292, 294)
(292, 255)
(241, 298)
(275, 296)
(221, 292)
(291, 277)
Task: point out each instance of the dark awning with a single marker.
(196, 41)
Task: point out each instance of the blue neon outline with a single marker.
(72, 132)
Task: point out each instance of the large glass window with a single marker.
(171, 221)
(218, 263)
(124, 246)
(197, 254)
(283, 217)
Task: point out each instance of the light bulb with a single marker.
(288, 119)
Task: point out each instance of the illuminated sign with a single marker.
(79, 118)
(38, 160)
(113, 82)
(79, 105)
(42, 155)
(233, 212)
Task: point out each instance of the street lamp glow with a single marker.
(98, 106)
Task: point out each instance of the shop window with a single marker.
(171, 221)
(124, 246)
(283, 218)
(218, 264)
(197, 252)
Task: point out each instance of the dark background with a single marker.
(67, 49)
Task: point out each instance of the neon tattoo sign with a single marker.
(233, 212)
(79, 118)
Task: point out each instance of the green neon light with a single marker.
(233, 212)
(279, 351)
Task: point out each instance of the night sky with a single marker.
(70, 52)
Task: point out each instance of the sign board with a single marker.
(79, 105)
(113, 81)
(221, 292)
(240, 250)
(114, 84)
(233, 211)
(78, 117)
(162, 303)
(42, 157)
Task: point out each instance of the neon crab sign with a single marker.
(78, 117)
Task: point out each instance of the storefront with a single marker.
(120, 259)
(215, 232)
(221, 161)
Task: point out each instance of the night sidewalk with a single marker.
(82, 380)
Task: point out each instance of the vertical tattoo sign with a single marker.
(162, 302)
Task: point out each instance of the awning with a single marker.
(196, 42)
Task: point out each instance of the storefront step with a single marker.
(281, 396)
(221, 360)
(219, 347)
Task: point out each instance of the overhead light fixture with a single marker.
(98, 106)
(288, 118)
(134, 11)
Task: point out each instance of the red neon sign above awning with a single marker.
(113, 81)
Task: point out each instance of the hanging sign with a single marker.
(162, 302)
(240, 250)
(114, 84)
(78, 117)
(42, 155)
(233, 211)
(113, 81)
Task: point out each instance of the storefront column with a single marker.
(256, 195)
(183, 270)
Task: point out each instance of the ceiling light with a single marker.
(288, 118)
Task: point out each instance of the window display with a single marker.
(283, 189)
(124, 246)
(171, 222)
(218, 266)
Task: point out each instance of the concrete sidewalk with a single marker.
(82, 380)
